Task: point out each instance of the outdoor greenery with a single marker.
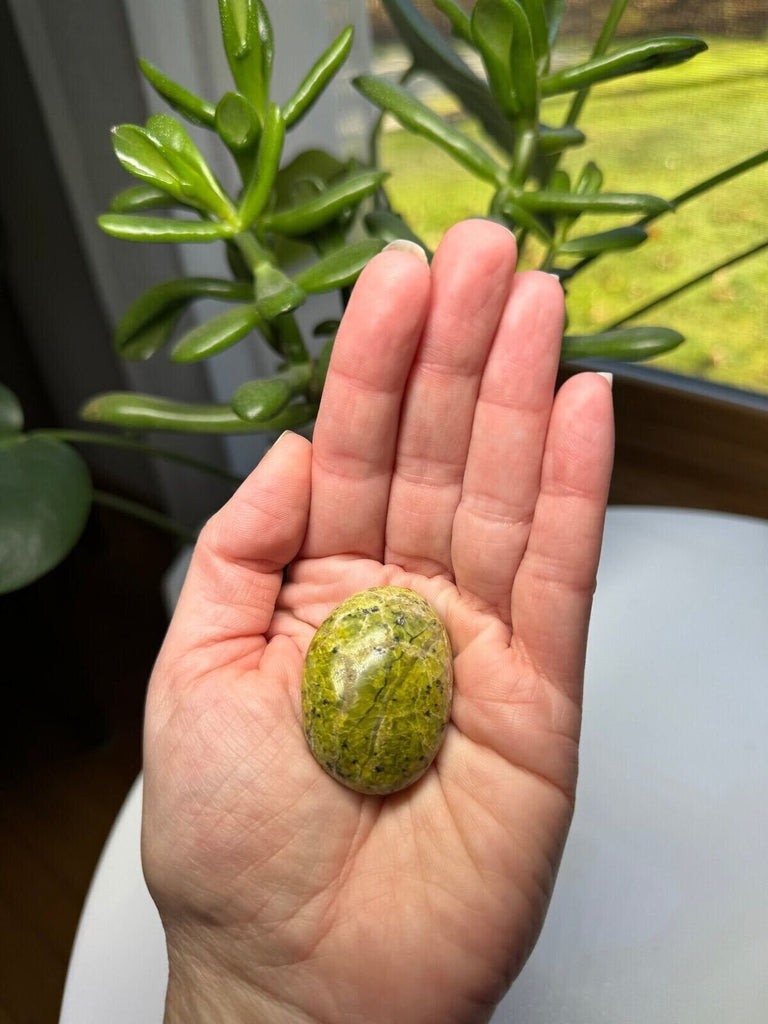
(600, 200)
(725, 318)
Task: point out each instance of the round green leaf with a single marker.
(11, 413)
(261, 399)
(44, 504)
(237, 122)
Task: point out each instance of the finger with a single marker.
(501, 482)
(552, 593)
(471, 274)
(356, 431)
(235, 576)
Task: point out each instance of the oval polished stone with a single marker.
(377, 688)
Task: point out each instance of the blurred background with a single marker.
(80, 643)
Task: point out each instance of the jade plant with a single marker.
(306, 226)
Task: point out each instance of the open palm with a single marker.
(440, 462)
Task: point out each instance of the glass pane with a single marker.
(662, 133)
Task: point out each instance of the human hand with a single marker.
(440, 462)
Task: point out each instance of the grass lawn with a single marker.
(661, 133)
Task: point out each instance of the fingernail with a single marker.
(406, 245)
(608, 376)
(555, 276)
(281, 437)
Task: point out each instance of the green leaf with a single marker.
(420, 119)
(629, 60)
(141, 197)
(317, 79)
(389, 226)
(604, 241)
(516, 215)
(339, 268)
(150, 412)
(163, 155)
(537, 21)
(525, 81)
(150, 320)
(135, 228)
(216, 334)
(546, 201)
(198, 184)
(265, 169)
(237, 122)
(247, 34)
(461, 24)
(554, 140)
(503, 35)
(11, 413)
(259, 400)
(276, 293)
(307, 216)
(493, 27)
(432, 53)
(629, 344)
(142, 157)
(590, 180)
(311, 167)
(195, 109)
(44, 504)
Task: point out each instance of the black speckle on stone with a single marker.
(334, 650)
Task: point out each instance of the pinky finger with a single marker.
(552, 593)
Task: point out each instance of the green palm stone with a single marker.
(376, 694)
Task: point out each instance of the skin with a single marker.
(440, 462)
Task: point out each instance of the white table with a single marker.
(660, 913)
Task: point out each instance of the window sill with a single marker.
(687, 443)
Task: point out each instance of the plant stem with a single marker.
(253, 251)
(110, 440)
(142, 512)
(607, 33)
(703, 186)
(679, 289)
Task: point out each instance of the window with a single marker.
(692, 425)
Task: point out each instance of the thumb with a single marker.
(236, 570)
